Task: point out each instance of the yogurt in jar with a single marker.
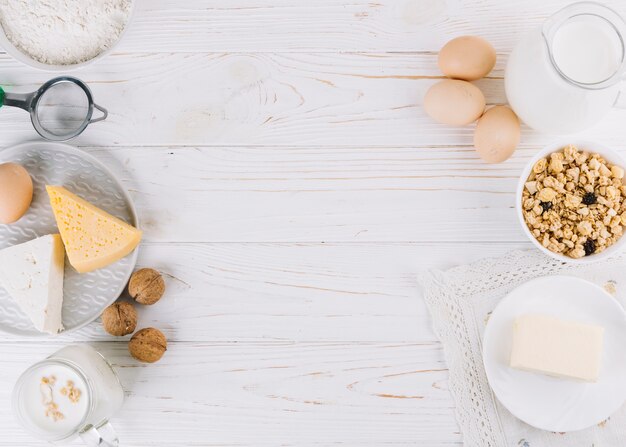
(54, 400)
(73, 392)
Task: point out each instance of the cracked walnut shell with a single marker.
(119, 319)
(148, 345)
(146, 286)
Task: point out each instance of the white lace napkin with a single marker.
(460, 301)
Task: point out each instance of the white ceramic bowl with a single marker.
(24, 58)
(589, 146)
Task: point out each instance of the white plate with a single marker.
(550, 403)
(85, 295)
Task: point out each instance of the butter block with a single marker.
(551, 346)
(93, 238)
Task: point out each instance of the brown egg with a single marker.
(16, 192)
(454, 102)
(467, 57)
(497, 134)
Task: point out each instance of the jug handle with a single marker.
(102, 436)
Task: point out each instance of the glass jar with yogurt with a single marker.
(74, 392)
(564, 76)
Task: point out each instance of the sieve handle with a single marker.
(21, 100)
(104, 114)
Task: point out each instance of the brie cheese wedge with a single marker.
(32, 273)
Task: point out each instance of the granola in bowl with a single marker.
(574, 202)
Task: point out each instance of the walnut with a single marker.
(148, 345)
(119, 319)
(146, 286)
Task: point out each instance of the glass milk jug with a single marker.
(564, 76)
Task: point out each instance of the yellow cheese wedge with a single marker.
(93, 238)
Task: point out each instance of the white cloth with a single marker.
(460, 301)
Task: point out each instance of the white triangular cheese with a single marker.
(32, 273)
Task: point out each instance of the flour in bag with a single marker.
(63, 32)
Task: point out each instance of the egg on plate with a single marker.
(16, 192)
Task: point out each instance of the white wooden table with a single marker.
(291, 186)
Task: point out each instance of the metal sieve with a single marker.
(60, 109)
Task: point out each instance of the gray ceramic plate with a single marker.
(85, 295)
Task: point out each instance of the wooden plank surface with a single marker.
(305, 292)
(268, 99)
(278, 344)
(331, 25)
(290, 187)
(316, 194)
(319, 194)
(269, 393)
